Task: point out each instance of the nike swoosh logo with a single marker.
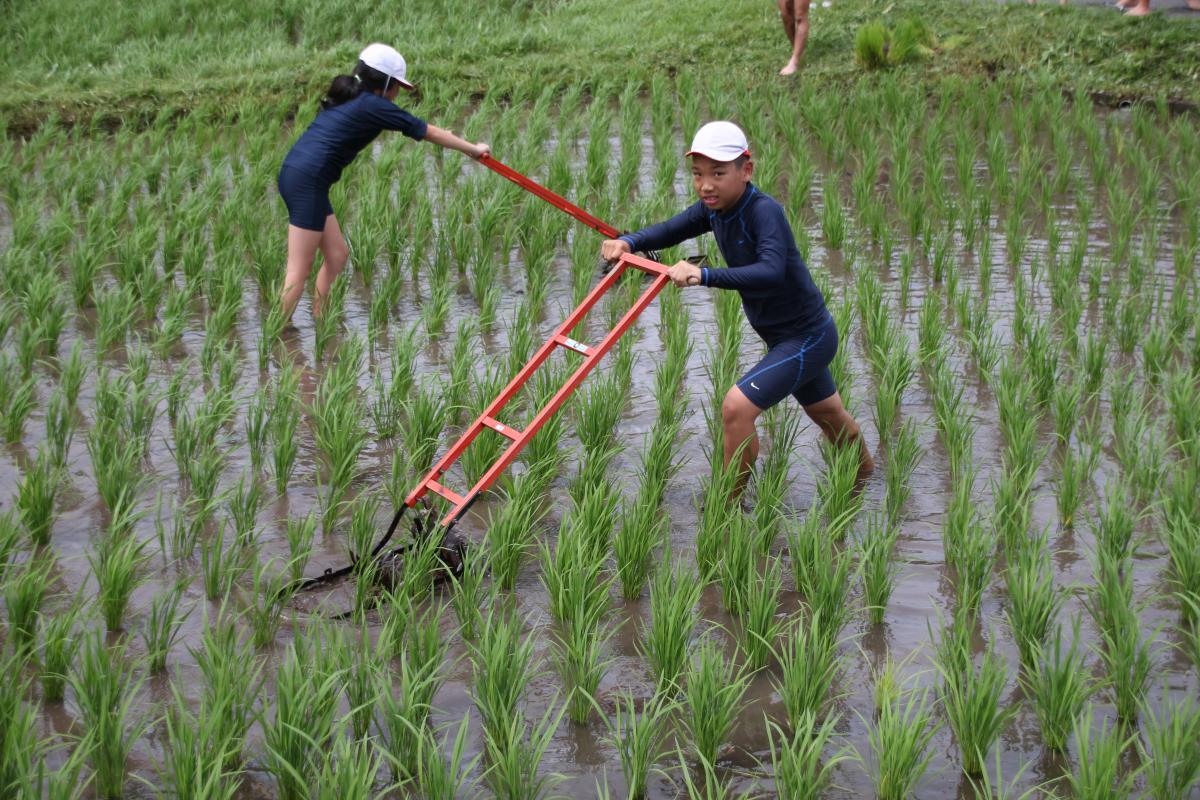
(754, 385)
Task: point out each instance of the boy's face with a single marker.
(720, 184)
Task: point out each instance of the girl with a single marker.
(357, 108)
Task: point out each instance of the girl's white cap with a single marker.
(720, 141)
(386, 60)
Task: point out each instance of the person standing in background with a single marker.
(794, 14)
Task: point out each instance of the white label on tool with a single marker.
(499, 427)
(574, 345)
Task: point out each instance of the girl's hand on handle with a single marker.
(611, 250)
(480, 150)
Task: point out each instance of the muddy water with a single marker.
(581, 754)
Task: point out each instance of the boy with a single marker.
(779, 297)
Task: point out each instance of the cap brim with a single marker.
(717, 156)
(405, 84)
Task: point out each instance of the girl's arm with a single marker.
(445, 138)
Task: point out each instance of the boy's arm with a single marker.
(775, 241)
(688, 224)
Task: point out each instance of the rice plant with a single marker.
(404, 702)
(759, 616)
(232, 677)
(18, 405)
(639, 738)
(833, 218)
(284, 424)
(1058, 686)
(716, 513)
(801, 769)
(307, 688)
(824, 573)
(35, 497)
(971, 702)
(60, 643)
(1075, 473)
(516, 749)
(1128, 658)
(899, 742)
(809, 666)
(197, 753)
(578, 649)
(219, 565)
(116, 463)
(502, 659)
(60, 429)
(903, 456)
(337, 413)
(269, 598)
(643, 527)
(106, 693)
(161, 629)
(1034, 600)
(470, 596)
(879, 569)
(712, 697)
(300, 534)
(1168, 749)
(245, 501)
(117, 563)
(709, 787)
(511, 531)
(1099, 772)
(1114, 525)
(72, 372)
(349, 771)
(666, 643)
(439, 778)
(736, 567)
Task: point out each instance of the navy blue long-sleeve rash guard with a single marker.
(338, 134)
(779, 296)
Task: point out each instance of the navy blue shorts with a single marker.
(306, 197)
(799, 367)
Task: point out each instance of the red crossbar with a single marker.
(491, 415)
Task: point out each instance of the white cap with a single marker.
(386, 60)
(720, 141)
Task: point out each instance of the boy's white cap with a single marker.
(386, 60)
(720, 141)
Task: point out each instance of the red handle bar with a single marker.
(553, 198)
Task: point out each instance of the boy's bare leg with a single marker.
(1139, 9)
(302, 247)
(1194, 5)
(737, 417)
(799, 35)
(336, 252)
(842, 429)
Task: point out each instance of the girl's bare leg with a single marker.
(799, 36)
(1139, 9)
(302, 248)
(842, 429)
(335, 251)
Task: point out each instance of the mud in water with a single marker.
(923, 595)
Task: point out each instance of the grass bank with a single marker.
(95, 62)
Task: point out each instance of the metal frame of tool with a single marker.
(490, 418)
